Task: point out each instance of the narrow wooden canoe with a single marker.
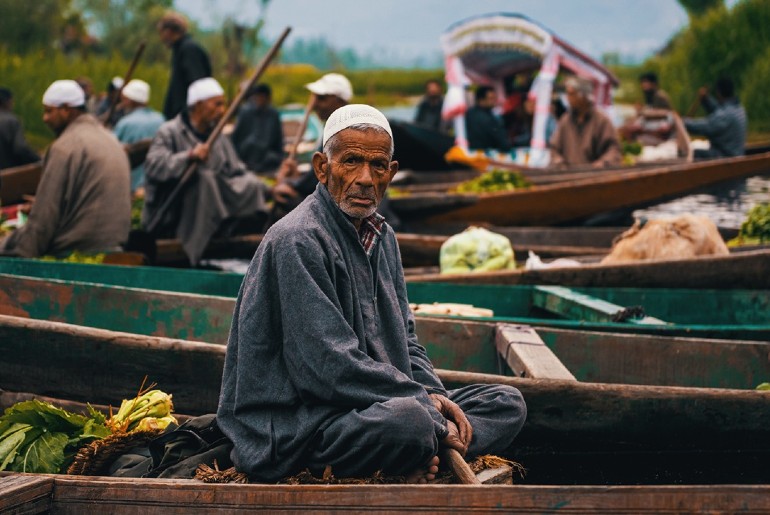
(76, 297)
(38, 494)
(746, 269)
(576, 432)
(740, 314)
(23, 180)
(575, 200)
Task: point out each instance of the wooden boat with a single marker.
(123, 496)
(23, 180)
(740, 314)
(572, 201)
(740, 269)
(576, 432)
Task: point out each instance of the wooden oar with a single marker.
(460, 468)
(188, 173)
(126, 78)
(302, 126)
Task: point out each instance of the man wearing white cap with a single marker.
(83, 201)
(139, 123)
(223, 189)
(323, 367)
(331, 92)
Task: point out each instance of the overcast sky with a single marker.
(411, 28)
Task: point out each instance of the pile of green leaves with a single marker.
(756, 228)
(78, 257)
(38, 437)
(492, 181)
(633, 148)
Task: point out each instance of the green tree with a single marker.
(27, 26)
(696, 8)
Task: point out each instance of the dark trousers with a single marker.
(398, 436)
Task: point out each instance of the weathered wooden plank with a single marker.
(176, 315)
(25, 494)
(129, 497)
(527, 355)
(579, 306)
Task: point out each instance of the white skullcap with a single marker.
(332, 84)
(353, 114)
(117, 82)
(64, 92)
(203, 89)
(137, 90)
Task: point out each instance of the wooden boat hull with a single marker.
(575, 433)
(576, 200)
(748, 270)
(741, 314)
(123, 496)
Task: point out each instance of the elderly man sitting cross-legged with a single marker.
(323, 367)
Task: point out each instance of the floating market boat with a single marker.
(741, 314)
(586, 424)
(575, 200)
(23, 180)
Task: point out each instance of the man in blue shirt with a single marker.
(726, 123)
(140, 122)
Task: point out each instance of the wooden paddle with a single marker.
(460, 468)
(190, 170)
(126, 78)
(302, 127)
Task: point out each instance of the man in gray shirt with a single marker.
(323, 367)
(726, 123)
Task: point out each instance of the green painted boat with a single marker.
(741, 314)
(584, 429)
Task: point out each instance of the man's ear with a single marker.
(393, 170)
(321, 167)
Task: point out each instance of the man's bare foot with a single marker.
(424, 474)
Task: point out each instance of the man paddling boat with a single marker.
(83, 199)
(323, 367)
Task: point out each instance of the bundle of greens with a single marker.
(78, 257)
(149, 410)
(476, 250)
(755, 229)
(38, 437)
(492, 181)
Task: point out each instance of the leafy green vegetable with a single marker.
(755, 230)
(38, 437)
(763, 386)
(495, 180)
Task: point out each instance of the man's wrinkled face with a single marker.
(56, 118)
(359, 171)
(210, 111)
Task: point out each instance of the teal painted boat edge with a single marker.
(201, 282)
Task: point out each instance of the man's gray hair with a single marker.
(332, 143)
(583, 86)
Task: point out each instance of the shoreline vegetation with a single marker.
(719, 41)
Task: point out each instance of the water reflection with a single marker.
(725, 204)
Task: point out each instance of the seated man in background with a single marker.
(14, 150)
(584, 135)
(429, 109)
(258, 134)
(140, 122)
(83, 201)
(726, 124)
(323, 367)
(654, 97)
(222, 187)
(485, 130)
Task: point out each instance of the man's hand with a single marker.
(200, 152)
(460, 430)
(282, 192)
(288, 170)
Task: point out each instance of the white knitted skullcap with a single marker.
(353, 114)
(137, 90)
(117, 82)
(64, 92)
(203, 89)
(332, 84)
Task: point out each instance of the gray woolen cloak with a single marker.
(319, 330)
(222, 188)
